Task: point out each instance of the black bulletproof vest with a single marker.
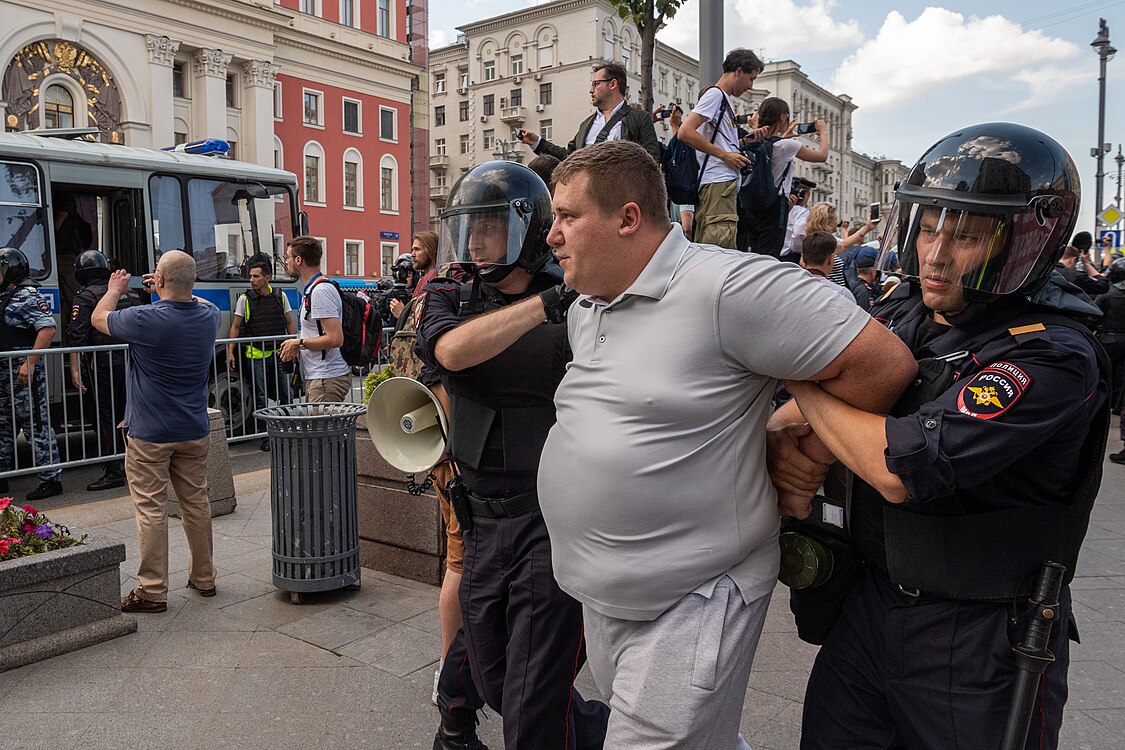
(956, 545)
(1113, 314)
(10, 336)
(503, 408)
(264, 316)
(98, 289)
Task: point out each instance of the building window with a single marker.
(463, 111)
(179, 82)
(488, 104)
(690, 95)
(464, 143)
(439, 115)
(517, 65)
(545, 128)
(314, 115)
(439, 83)
(347, 12)
(232, 91)
(625, 51)
(278, 154)
(546, 57)
(388, 124)
(179, 138)
(490, 70)
(352, 117)
(353, 179)
(441, 180)
(608, 51)
(463, 77)
(675, 89)
(387, 253)
(353, 258)
(58, 107)
(544, 94)
(383, 17)
(516, 98)
(388, 184)
(309, 6)
(439, 147)
(663, 82)
(489, 140)
(314, 173)
(277, 110)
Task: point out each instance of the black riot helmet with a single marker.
(497, 219)
(91, 265)
(14, 268)
(998, 200)
(1117, 271)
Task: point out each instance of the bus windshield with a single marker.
(22, 215)
(225, 224)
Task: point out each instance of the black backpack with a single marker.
(682, 170)
(759, 192)
(360, 322)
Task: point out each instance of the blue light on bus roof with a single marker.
(206, 147)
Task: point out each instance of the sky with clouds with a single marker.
(918, 71)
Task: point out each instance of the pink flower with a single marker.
(30, 510)
(5, 502)
(3, 546)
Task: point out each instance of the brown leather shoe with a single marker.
(202, 592)
(134, 603)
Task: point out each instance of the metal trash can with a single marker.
(313, 496)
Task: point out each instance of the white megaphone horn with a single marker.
(407, 424)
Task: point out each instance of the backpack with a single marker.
(681, 168)
(759, 193)
(400, 352)
(361, 324)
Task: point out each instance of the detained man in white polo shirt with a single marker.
(654, 486)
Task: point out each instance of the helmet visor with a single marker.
(482, 237)
(989, 252)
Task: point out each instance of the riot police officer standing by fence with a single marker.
(523, 634)
(103, 371)
(26, 322)
(982, 477)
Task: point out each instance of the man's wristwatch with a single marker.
(300, 343)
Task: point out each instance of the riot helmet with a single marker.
(497, 219)
(1117, 271)
(91, 265)
(988, 209)
(14, 268)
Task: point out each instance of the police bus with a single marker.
(60, 196)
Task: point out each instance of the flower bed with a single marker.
(58, 592)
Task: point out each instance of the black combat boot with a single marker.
(458, 731)
(47, 488)
(112, 477)
(1119, 457)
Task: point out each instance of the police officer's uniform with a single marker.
(999, 443)
(522, 636)
(103, 373)
(265, 316)
(25, 313)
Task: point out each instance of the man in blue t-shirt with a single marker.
(171, 346)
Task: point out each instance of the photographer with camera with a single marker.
(762, 214)
(672, 116)
(795, 231)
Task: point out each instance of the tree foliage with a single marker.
(649, 16)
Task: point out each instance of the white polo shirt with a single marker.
(653, 481)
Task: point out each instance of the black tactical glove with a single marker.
(556, 301)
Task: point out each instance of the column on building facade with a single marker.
(257, 112)
(209, 95)
(161, 56)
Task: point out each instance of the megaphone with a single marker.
(407, 424)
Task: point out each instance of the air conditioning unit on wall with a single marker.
(538, 107)
(462, 90)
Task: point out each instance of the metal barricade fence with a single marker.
(84, 434)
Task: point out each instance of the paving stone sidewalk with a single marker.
(354, 669)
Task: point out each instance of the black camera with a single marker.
(801, 193)
(664, 114)
(742, 119)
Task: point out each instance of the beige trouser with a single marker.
(716, 214)
(150, 467)
(328, 389)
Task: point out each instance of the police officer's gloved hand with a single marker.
(556, 301)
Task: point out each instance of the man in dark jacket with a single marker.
(613, 118)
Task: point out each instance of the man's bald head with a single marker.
(178, 271)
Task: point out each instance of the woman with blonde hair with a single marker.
(823, 218)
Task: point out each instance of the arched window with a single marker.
(278, 154)
(388, 184)
(314, 173)
(58, 107)
(353, 179)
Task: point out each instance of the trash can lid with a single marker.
(287, 413)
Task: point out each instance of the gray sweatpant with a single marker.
(677, 682)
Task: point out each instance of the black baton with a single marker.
(1032, 655)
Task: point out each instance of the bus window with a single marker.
(232, 221)
(274, 221)
(167, 216)
(22, 215)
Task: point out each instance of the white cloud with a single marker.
(908, 59)
(438, 38)
(1045, 85)
(777, 28)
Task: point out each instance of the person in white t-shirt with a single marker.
(795, 230)
(327, 376)
(716, 210)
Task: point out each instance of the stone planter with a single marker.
(61, 601)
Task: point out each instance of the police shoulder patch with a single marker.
(43, 305)
(992, 391)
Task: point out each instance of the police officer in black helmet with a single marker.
(103, 371)
(499, 344)
(1111, 332)
(987, 466)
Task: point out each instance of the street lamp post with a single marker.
(505, 149)
(1120, 159)
(1105, 54)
